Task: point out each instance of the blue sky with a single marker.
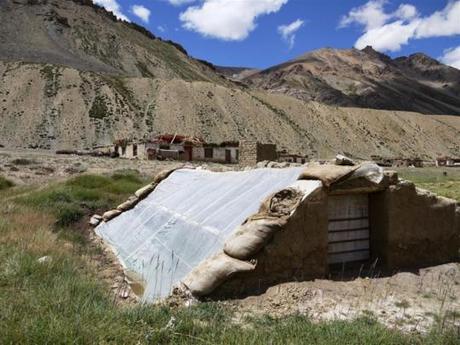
(262, 33)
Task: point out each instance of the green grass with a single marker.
(5, 183)
(442, 181)
(69, 202)
(65, 301)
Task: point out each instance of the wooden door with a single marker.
(228, 156)
(348, 229)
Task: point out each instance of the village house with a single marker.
(448, 162)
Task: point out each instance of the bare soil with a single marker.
(406, 301)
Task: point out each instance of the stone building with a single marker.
(252, 152)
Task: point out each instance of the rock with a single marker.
(44, 259)
(145, 191)
(391, 176)
(110, 215)
(283, 165)
(95, 220)
(128, 204)
(262, 164)
(343, 160)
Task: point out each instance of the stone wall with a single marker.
(252, 152)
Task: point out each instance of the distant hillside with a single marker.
(78, 34)
(236, 73)
(366, 78)
(72, 76)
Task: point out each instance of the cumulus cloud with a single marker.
(371, 15)
(142, 12)
(161, 28)
(390, 31)
(289, 31)
(230, 20)
(451, 57)
(441, 23)
(112, 6)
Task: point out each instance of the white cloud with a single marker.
(451, 57)
(371, 15)
(180, 2)
(142, 12)
(112, 6)
(230, 20)
(441, 23)
(161, 28)
(289, 31)
(390, 31)
(406, 12)
(388, 37)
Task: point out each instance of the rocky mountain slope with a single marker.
(366, 78)
(75, 77)
(78, 34)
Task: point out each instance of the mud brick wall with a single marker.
(412, 228)
(297, 252)
(252, 152)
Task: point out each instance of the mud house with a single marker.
(186, 148)
(266, 226)
(448, 162)
(285, 156)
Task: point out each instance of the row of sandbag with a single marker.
(248, 239)
(133, 200)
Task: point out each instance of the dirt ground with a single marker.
(28, 167)
(407, 301)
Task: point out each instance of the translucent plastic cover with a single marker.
(185, 220)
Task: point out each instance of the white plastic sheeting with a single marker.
(186, 219)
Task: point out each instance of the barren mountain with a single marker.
(368, 79)
(79, 34)
(72, 76)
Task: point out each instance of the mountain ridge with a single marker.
(74, 77)
(365, 78)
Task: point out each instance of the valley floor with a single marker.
(56, 287)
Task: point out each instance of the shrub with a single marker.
(5, 183)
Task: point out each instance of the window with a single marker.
(134, 150)
(208, 152)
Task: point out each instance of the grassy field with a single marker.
(62, 300)
(443, 181)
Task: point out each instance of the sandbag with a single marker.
(281, 203)
(252, 236)
(163, 175)
(145, 191)
(212, 272)
(128, 204)
(327, 174)
(110, 215)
